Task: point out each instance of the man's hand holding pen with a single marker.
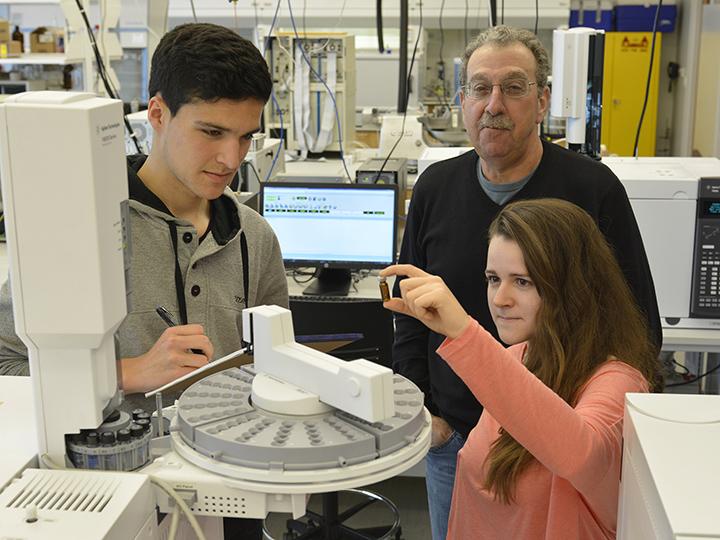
(166, 316)
(179, 350)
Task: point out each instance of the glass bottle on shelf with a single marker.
(17, 35)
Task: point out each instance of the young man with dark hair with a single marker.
(208, 88)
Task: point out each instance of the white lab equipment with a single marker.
(64, 224)
(669, 488)
(262, 163)
(358, 387)
(143, 133)
(671, 212)
(577, 86)
(225, 454)
(411, 144)
(272, 428)
(302, 105)
(72, 504)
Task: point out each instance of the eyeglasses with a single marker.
(512, 88)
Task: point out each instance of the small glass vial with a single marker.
(384, 289)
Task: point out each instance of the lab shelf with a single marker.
(57, 59)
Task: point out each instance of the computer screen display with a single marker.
(348, 226)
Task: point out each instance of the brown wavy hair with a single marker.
(587, 315)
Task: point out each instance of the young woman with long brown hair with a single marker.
(544, 460)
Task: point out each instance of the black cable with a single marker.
(257, 174)
(708, 372)
(111, 91)
(192, 6)
(298, 272)
(647, 84)
(98, 59)
(402, 64)
(502, 11)
(409, 76)
(379, 25)
(537, 15)
(678, 364)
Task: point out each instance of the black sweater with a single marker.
(446, 235)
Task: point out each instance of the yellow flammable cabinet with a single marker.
(627, 58)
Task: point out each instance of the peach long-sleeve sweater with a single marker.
(571, 491)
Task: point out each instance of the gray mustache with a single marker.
(496, 122)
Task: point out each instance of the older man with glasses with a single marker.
(504, 98)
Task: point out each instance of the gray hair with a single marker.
(504, 36)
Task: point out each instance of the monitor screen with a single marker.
(333, 226)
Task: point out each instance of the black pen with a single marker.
(165, 316)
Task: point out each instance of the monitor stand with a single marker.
(330, 282)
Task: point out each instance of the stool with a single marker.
(330, 524)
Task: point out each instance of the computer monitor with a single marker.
(333, 227)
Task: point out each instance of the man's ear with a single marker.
(158, 113)
(462, 101)
(544, 104)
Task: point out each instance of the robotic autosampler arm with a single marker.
(291, 374)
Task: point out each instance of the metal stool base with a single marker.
(330, 524)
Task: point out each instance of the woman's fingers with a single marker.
(398, 306)
(413, 288)
(403, 270)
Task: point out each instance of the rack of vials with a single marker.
(121, 443)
